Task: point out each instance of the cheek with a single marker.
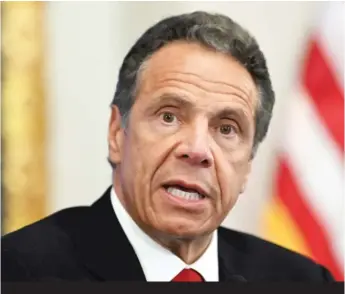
(143, 155)
(135, 163)
(231, 173)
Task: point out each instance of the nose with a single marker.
(195, 147)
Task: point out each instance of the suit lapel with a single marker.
(103, 246)
(228, 256)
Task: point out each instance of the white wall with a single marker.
(86, 42)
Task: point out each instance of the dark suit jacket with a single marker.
(88, 243)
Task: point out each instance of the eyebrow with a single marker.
(230, 112)
(178, 100)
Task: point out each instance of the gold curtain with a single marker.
(24, 175)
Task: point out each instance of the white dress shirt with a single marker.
(158, 263)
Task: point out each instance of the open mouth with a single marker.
(184, 193)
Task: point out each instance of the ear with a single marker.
(246, 176)
(115, 136)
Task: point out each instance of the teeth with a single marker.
(183, 194)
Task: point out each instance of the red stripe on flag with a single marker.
(325, 92)
(313, 232)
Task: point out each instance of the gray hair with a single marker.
(215, 31)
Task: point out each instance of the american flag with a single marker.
(306, 211)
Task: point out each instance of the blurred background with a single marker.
(60, 62)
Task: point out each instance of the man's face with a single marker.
(185, 156)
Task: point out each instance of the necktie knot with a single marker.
(188, 275)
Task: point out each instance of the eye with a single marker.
(168, 117)
(227, 129)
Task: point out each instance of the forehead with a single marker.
(204, 75)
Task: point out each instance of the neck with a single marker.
(188, 249)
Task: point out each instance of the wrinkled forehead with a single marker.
(207, 77)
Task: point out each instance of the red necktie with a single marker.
(188, 275)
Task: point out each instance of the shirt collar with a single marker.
(158, 263)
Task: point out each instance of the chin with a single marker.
(185, 229)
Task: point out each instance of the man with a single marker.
(193, 102)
